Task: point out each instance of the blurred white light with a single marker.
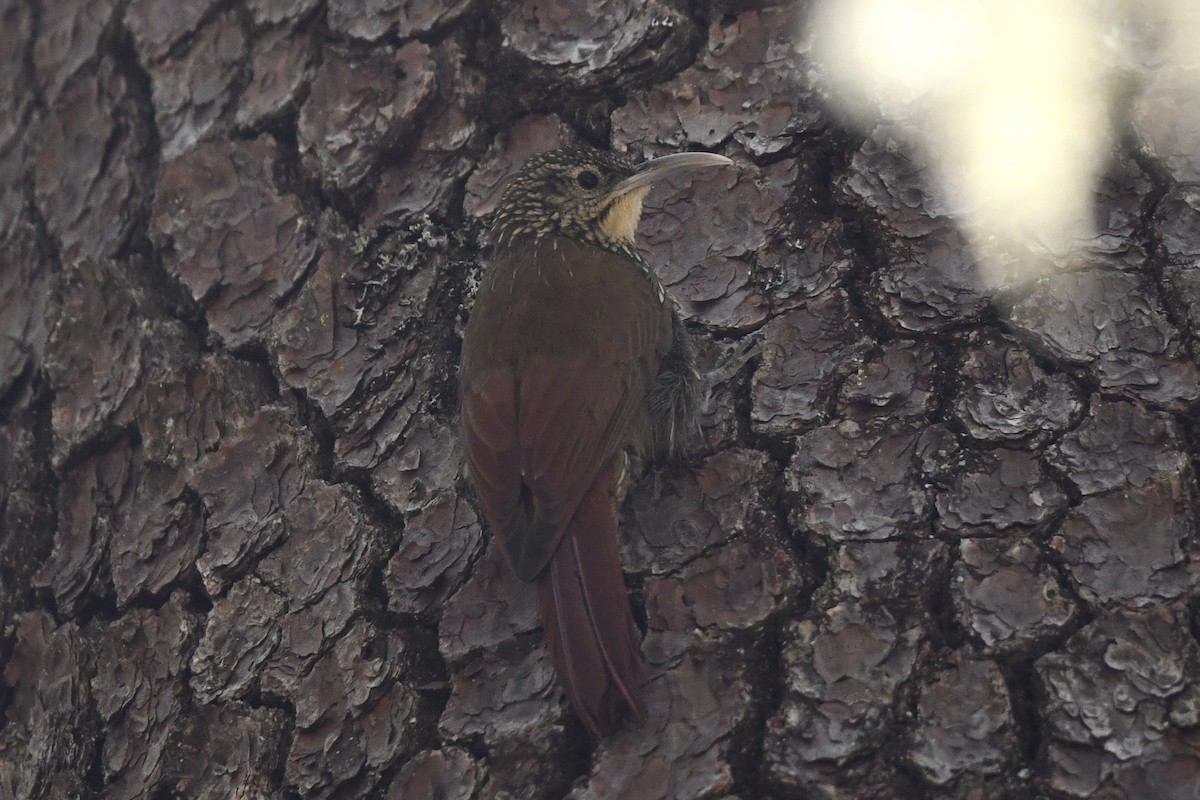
(890, 55)
(1009, 100)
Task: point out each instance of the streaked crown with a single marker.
(571, 192)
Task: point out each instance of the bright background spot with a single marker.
(1009, 101)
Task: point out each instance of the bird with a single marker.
(576, 368)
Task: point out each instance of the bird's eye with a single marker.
(588, 179)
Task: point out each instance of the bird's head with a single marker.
(584, 193)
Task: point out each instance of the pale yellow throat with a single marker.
(620, 220)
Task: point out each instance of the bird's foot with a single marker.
(730, 363)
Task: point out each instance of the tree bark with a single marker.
(932, 543)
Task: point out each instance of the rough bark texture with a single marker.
(936, 542)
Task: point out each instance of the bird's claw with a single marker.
(731, 362)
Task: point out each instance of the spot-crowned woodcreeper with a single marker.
(574, 363)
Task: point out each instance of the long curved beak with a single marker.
(658, 168)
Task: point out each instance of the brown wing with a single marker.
(556, 359)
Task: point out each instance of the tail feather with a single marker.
(585, 612)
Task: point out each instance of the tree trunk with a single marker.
(932, 543)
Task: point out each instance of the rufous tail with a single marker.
(585, 613)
